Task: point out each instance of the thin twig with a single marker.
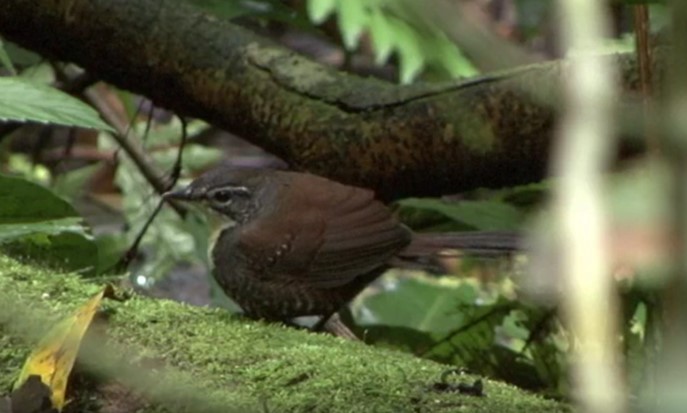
(130, 254)
(176, 170)
(174, 176)
(139, 158)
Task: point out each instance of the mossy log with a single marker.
(158, 355)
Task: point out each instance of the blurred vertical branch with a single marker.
(677, 131)
(641, 27)
(673, 376)
(582, 154)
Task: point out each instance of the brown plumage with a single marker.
(302, 244)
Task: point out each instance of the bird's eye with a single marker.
(221, 196)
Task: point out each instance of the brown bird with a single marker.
(293, 244)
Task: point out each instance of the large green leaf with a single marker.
(22, 100)
(37, 224)
(429, 305)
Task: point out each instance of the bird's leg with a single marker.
(332, 323)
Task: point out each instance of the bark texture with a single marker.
(424, 139)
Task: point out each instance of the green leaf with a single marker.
(409, 50)
(21, 57)
(382, 37)
(352, 21)
(449, 57)
(428, 305)
(111, 248)
(525, 197)
(13, 232)
(5, 59)
(393, 27)
(319, 10)
(24, 202)
(480, 345)
(459, 323)
(22, 100)
(479, 215)
(69, 251)
(473, 339)
(36, 224)
(75, 182)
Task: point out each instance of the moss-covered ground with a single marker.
(211, 356)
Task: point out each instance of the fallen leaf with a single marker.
(53, 358)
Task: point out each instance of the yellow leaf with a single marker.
(53, 358)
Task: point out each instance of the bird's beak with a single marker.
(183, 194)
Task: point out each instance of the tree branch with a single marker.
(424, 139)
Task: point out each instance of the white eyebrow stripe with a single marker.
(228, 188)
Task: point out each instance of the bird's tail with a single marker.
(427, 249)
(475, 242)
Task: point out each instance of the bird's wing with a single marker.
(325, 232)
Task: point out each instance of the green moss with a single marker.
(239, 361)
